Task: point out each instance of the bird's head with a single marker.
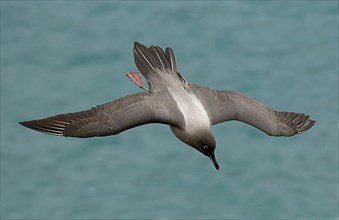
(206, 145)
(201, 140)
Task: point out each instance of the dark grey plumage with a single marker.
(110, 118)
(224, 105)
(188, 109)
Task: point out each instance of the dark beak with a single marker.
(212, 157)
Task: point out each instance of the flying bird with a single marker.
(190, 110)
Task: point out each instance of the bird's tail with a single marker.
(156, 65)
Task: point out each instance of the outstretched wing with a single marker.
(224, 105)
(107, 119)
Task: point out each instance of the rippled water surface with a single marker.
(63, 56)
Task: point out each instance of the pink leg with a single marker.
(135, 77)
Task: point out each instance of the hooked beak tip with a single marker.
(215, 163)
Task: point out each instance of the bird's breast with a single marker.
(194, 113)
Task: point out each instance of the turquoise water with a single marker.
(63, 56)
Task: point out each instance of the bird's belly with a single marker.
(194, 113)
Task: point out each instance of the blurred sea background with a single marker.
(66, 56)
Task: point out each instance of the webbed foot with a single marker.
(136, 79)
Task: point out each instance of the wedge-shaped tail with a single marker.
(158, 67)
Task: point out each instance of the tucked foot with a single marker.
(135, 77)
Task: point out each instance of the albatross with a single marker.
(189, 109)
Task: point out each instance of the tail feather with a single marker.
(154, 64)
(159, 53)
(170, 56)
(143, 59)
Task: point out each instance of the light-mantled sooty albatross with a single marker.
(188, 109)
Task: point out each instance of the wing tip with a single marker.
(43, 126)
(25, 124)
(298, 122)
(305, 125)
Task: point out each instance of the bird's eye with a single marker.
(205, 146)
